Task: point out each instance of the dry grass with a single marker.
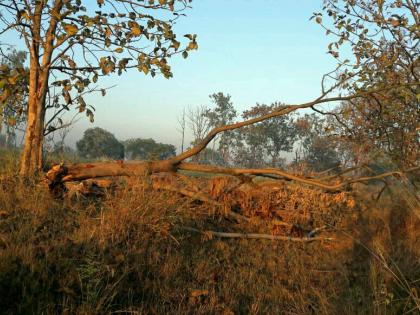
(123, 254)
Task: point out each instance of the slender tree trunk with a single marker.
(182, 122)
(31, 159)
(39, 71)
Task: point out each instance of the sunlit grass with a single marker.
(125, 254)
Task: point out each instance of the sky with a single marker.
(255, 50)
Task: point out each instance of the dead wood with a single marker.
(283, 174)
(197, 195)
(60, 174)
(211, 234)
(89, 187)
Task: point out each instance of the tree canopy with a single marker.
(148, 149)
(99, 143)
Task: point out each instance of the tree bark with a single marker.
(31, 159)
(77, 172)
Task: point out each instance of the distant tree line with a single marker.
(100, 143)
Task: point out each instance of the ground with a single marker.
(127, 253)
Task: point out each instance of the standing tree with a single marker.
(98, 143)
(74, 42)
(221, 115)
(317, 146)
(182, 122)
(262, 143)
(199, 124)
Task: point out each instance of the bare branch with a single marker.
(256, 236)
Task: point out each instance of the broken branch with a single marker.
(257, 236)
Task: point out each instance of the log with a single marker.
(82, 171)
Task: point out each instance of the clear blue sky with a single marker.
(255, 50)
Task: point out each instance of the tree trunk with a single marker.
(31, 159)
(39, 72)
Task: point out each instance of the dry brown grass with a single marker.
(123, 254)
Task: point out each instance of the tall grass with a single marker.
(123, 254)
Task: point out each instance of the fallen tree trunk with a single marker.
(82, 171)
(60, 174)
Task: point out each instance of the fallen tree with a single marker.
(60, 174)
(89, 176)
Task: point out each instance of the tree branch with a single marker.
(256, 236)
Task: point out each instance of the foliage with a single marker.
(263, 142)
(87, 41)
(317, 147)
(148, 149)
(61, 148)
(3, 141)
(222, 114)
(98, 143)
(383, 37)
(13, 92)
